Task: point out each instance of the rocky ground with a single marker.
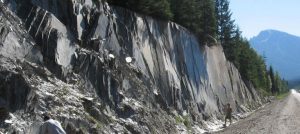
(278, 117)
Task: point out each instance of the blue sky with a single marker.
(253, 16)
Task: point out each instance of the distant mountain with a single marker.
(281, 50)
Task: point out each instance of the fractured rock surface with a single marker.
(55, 58)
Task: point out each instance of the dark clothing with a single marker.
(3, 113)
(228, 113)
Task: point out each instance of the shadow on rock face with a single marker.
(3, 113)
(13, 91)
(71, 129)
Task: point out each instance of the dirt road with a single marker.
(279, 117)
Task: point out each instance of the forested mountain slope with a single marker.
(281, 51)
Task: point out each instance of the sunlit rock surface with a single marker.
(55, 58)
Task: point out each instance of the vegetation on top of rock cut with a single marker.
(196, 15)
(282, 95)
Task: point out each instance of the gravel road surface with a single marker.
(278, 117)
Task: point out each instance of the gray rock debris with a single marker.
(55, 58)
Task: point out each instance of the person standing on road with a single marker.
(228, 114)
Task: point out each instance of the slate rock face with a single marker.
(14, 90)
(57, 59)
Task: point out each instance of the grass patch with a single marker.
(94, 121)
(178, 119)
(185, 120)
(83, 129)
(264, 92)
(282, 95)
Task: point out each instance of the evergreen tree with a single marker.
(207, 21)
(225, 27)
(282, 85)
(196, 15)
(186, 13)
(235, 48)
(273, 81)
(263, 74)
(156, 8)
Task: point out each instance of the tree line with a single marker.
(211, 19)
(237, 49)
(196, 15)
